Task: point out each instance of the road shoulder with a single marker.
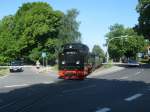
(3, 72)
(104, 71)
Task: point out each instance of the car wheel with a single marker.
(11, 70)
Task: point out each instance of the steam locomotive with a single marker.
(75, 61)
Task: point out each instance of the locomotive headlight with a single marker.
(77, 62)
(63, 62)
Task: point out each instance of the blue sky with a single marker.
(95, 15)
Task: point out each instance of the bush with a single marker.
(109, 64)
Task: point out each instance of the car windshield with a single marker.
(15, 63)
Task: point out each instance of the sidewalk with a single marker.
(104, 71)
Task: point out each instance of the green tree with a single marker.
(97, 50)
(143, 8)
(127, 43)
(35, 28)
(69, 30)
(37, 23)
(7, 40)
(115, 47)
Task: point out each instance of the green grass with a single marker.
(144, 61)
(109, 65)
(3, 71)
(55, 68)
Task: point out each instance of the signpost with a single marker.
(139, 55)
(44, 56)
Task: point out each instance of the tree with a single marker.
(68, 31)
(37, 23)
(97, 50)
(115, 47)
(128, 43)
(143, 8)
(35, 28)
(7, 40)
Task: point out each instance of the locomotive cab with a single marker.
(73, 61)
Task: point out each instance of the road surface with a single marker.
(127, 90)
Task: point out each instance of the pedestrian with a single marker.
(37, 64)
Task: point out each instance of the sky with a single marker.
(96, 16)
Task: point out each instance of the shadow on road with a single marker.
(74, 96)
(146, 66)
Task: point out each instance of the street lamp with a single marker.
(107, 53)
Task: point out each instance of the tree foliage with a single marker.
(143, 8)
(97, 50)
(69, 28)
(126, 42)
(36, 27)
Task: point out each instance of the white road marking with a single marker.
(138, 73)
(125, 77)
(11, 86)
(103, 110)
(133, 97)
(79, 89)
(142, 70)
(48, 82)
(2, 77)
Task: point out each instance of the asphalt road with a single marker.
(123, 91)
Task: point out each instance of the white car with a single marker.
(16, 66)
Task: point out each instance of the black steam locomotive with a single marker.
(75, 61)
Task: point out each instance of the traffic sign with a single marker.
(43, 54)
(139, 55)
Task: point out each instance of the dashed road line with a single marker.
(105, 109)
(138, 73)
(79, 89)
(49, 82)
(125, 77)
(142, 70)
(11, 86)
(133, 97)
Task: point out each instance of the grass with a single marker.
(55, 68)
(109, 65)
(3, 71)
(145, 61)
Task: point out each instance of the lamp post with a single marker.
(107, 53)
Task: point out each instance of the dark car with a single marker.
(16, 66)
(133, 63)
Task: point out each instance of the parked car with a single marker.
(133, 63)
(16, 66)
